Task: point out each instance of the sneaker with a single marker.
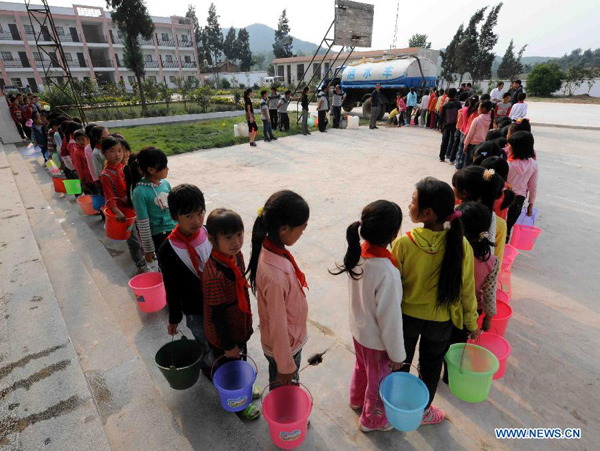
(388, 427)
(442, 160)
(267, 140)
(376, 128)
(433, 415)
(253, 144)
(273, 139)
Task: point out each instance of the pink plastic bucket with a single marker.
(498, 346)
(149, 291)
(510, 253)
(286, 410)
(523, 236)
(500, 319)
(502, 296)
(504, 283)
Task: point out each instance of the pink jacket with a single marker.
(523, 177)
(479, 129)
(282, 310)
(89, 157)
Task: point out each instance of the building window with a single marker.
(148, 58)
(152, 78)
(28, 29)
(164, 36)
(188, 59)
(280, 70)
(16, 82)
(299, 72)
(37, 56)
(60, 31)
(169, 58)
(172, 79)
(326, 68)
(7, 56)
(317, 70)
(131, 80)
(89, 12)
(68, 57)
(184, 38)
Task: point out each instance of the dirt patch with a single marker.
(35, 377)
(7, 369)
(326, 330)
(37, 299)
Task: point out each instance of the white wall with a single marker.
(488, 85)
(248, 79)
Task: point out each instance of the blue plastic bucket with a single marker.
(404, 397)
(97, 202)
(234, 381)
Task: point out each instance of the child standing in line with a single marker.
(282, 109)
(80, 162)
(500, 166)
(438, 287)
(424, 104)
(278, 283)
(95, 158)
(375, 291)
(114, 188)
(65, 157)
(448, 119)
(477, 131)
(227, 313)
(431, 108)
(441, 101)
(150, 201)
(522, 175)
(39, 137)
(503, 108)
(478, 184)
(252, 127)
(401, 108)
(273, 101)
(17, 116)
(266, 118)
(475, 219)
(466, 116)
(52, 151)
(519, 109)
(182, 259)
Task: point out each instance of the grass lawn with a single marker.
(174, 139)
(158, 109)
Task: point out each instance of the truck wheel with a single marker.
(348, 108)
(366, 108)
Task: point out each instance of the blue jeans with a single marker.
(195, 323)
(267, 130)
(273, 367)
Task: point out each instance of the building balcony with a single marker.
(188, 65)
(143, 41)
(116, 40)
(185, 43)
(69, 38)
(8, 36)
(16, 64)
(98, 62)
(170, 64)
(96, 40)
(151, 64)
(162, 43)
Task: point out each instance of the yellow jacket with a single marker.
(419, 255)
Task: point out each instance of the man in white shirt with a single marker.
(424, 105)
(496, 94)
(519, 109)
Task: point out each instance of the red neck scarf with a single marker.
(369, 250)
(187, 240)
(270, 246)
(240, 281)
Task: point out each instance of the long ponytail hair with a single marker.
(381, 221)
(439, 197)
(501, 167)
(283, 208)
(476, 219)
(478, 184)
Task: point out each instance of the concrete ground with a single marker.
(552, 374)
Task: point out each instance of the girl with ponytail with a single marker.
(438, 287)
(475, 183)
(375, 291)
(278, 283)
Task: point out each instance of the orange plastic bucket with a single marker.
(85, 203)
(116, 230)
(59, 186)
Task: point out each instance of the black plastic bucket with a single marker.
(179, 361)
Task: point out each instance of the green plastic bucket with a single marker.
(471, 369)
(72, 186)
(179, 362)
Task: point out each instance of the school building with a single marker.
(290, 70)
(93, 47)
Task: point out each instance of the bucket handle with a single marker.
(212, 368)
(294, 382)
(183, 337)
(399, 371)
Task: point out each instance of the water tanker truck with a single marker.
(358, 81)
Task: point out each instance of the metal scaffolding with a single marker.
(55, 66)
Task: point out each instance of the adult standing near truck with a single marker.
(411, 102)
(304, 103)
(273, 101)
(338, 99)
(322, 108)
(375, 106)
(282, 109)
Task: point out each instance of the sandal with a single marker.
(251, 412)
(255, 392)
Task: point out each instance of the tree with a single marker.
(511, 67)
(199, 35)
(544, 80)
(573, 79)
(202, 97)
(258, 61)
(230, 45)
(213, 36)
(449, 56)
(282, 47)
(151, 89)
(419, 40)
(132, 20)
(185, 86)
(468, 49)
(243, 50)
(591, 76)
(484, 58)
(165, 93)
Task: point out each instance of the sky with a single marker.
(546, 26)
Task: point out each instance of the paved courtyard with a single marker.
(552, 375)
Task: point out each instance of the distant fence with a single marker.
(488, 85)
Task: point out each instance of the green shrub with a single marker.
(544, 80)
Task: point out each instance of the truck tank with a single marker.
(393, 74)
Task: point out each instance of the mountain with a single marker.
(262, 37)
